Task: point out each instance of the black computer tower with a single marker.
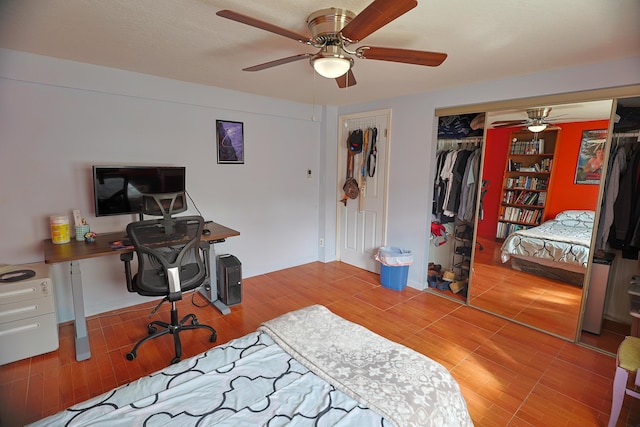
(229, 277)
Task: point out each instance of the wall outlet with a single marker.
(322, 243)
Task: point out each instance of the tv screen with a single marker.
(118, 190)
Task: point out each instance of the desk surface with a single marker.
(74, 250)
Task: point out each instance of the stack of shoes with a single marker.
(434, 274)
(436, 277)
(448, 277)
(459, 285)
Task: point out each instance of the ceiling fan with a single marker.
(333, 30)
(537, 120)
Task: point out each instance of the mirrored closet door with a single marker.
(546, 167)
(611, 305)
(542, 172)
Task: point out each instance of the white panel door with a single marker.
(362, 228)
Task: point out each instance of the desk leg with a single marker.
(212, 293)
(83, 351)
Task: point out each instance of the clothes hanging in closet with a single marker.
(617, 167)
(470, 179)
(620, 218)
(455, 184)
(625, 231)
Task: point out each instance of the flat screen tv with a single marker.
(118, 190)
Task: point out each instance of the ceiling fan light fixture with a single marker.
(331, 66)
(537, 127)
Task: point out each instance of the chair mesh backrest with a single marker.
(158, 252)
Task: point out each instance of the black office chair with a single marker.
(169, 262)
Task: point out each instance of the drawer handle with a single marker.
(20, 329)
(17, 292)
(19, 310)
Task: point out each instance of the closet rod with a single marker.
(626, 134)
(451, 142)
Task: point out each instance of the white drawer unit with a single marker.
(28, 324)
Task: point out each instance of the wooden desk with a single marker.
(75, 251)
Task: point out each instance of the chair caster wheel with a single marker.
(151, 329)
(194, 321)
(175, 360)
(131, 356)
(213, 337)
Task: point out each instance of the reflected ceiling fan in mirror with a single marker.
(537, 120)
(333, 30)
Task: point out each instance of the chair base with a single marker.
(174, 328)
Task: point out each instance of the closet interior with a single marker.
(455, 207)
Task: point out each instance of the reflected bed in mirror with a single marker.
(557, 249)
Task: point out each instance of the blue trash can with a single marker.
(394, 268)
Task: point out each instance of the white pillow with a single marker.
(585, 216)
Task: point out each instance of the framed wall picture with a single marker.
(591, 156)
(230, 141)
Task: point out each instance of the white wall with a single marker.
(414, 130)
(58, 118)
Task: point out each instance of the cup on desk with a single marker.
(81, 230)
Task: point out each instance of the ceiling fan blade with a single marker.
(375, 16)
(507, 123)
(346, 80)
(407, 56)
(238, 17)
(500, 122)
(278, 62)
(556, 118)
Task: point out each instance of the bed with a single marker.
(307, 367)
(558, 248)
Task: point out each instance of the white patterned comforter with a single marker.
(565, 239)
(344, 375)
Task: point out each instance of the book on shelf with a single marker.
(526, 198)
(542, 198)
(526, 182)
(504, 229)
(522, 215)
(514, 166)
(527, 147)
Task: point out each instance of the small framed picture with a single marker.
(591, 157)
(230, 139)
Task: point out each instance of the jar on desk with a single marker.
(81, 230)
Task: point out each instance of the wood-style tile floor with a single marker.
(510, 375)
(550, 305)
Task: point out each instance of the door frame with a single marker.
(343, 125)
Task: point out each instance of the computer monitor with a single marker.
(118, 189)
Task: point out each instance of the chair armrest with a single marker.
(126, 258)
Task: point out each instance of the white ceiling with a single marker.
(185, 40)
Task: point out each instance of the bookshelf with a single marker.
(525, 185)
